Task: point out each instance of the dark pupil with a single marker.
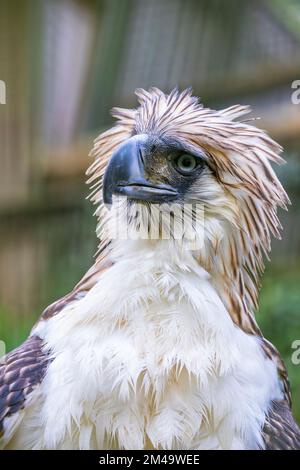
(186, 162)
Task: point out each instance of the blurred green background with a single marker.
(65, 63)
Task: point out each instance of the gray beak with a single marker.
(125, 175)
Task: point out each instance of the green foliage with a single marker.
(288, 13)
(279, 319)
(13, 330)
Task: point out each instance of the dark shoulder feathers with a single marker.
(281, 431)
(21, 371)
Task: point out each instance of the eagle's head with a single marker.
(172, 162)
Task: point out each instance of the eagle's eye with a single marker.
(185, 164)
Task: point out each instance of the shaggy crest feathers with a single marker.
(239, 155)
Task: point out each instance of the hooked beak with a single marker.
(125, 175)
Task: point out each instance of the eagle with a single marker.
(157, 347)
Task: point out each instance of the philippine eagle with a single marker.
(157, 347)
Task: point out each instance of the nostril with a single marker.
(142, 155)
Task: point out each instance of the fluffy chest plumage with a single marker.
(151, 359)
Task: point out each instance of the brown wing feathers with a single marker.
(280, 431)
(21, 371)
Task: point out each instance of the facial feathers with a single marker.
(239, 189)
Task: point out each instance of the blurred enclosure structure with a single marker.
(65, 63)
